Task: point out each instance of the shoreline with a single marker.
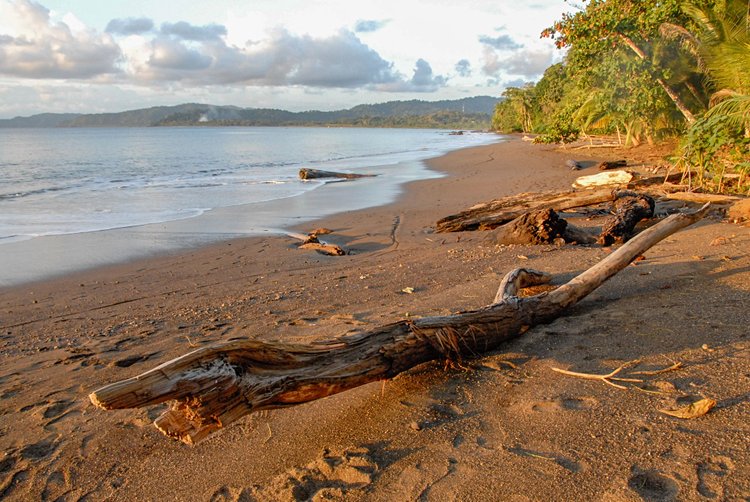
(27, 261)
(502, 423)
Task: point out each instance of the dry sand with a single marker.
(505, 427)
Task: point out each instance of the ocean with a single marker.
(170, 188)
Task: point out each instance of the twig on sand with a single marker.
(607, 378)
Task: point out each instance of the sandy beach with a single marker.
(505, 426)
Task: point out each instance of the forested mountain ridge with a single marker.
(464, 113)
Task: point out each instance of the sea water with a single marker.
(168, 188)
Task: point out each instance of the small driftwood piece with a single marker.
(611, 164)
(628, 209)
(498, 212)
(313, 243)
(314, 174)
(214, 386)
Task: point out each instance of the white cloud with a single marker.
(32, 46)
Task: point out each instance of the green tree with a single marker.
(514, 113)
(606, 25)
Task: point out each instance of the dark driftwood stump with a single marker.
(629, 208)
(536, 227)
(611, 164)
(214, 386)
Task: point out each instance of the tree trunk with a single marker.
(214, 386)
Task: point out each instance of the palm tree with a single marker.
(720, 43)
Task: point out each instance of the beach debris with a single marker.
(408, 290)
(535, 227)
(611, 164)
(214, 386)
(702, 198)
(605, 178)
(611, 377)
(574, 165)
(606, 378)
(628, 209)
(495, 213)
(692, 410)
(314, 174)
(312, 242)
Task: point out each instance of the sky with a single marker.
(92, 56)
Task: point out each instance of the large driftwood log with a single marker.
(498, 212)
(313, 174)
(214, 386)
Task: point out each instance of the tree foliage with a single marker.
(645, 71)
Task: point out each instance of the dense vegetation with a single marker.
(646, 71)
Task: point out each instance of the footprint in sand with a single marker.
(653, 485)
(39, 450)
(563, 403)
(328, 477)
(55, 409)
(711, 474)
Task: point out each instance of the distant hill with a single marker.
(41, 120)
(467, 113)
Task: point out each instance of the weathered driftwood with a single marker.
(537, 227)
(313, 243)
(214, 386)
(603, 179)
(314, 174)
(702, 198)
(611, 164)
(628, 209)
(540, 227)
(498, 212)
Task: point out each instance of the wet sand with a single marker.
(504, 427)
